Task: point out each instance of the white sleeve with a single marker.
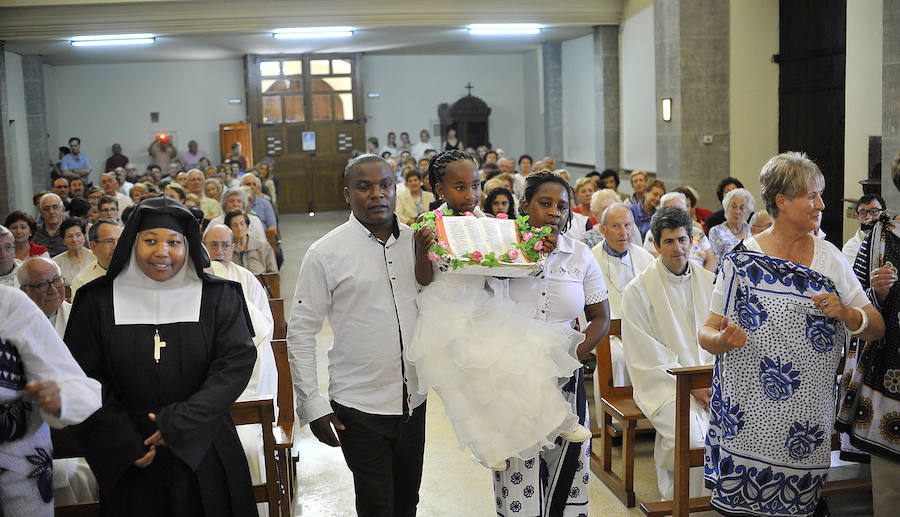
(309, 308)
(46, 358)
(717, 300)
(595, 290)
(848, 287)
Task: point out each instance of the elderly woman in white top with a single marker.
(76, 257)
(784, 306)
(738, 205)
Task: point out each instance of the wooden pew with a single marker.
(271, 283)
(284, 443)
(261, 411)
(616, 403)
(277, 307)
(687, 379)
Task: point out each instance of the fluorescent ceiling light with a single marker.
(502, 29)
(313, 32)
(113, 39)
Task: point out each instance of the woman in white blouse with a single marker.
(570, 283)
(77, 257)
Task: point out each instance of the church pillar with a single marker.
(606, 95)
(691, 39)
(553, 101)
(890, 104)
(7, 191)
(36, 112)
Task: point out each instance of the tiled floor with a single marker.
(452, 484)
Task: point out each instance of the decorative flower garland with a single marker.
(531, 246)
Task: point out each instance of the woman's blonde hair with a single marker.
(584, 181)
(790, 174)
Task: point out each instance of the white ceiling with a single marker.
(226, 29)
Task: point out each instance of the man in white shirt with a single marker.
(424, 144)
(360, 276)
(620, 260)
(194, 185)
(8, 263)
(701, 253)
(663, 308)
(868, 207)
(102, 238)
(110, 187)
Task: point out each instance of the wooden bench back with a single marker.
(285, 398)
(261, 411)
(603, 372)
(277, 307)
(271, 283)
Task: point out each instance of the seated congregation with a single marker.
(177, 264)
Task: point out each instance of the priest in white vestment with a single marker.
(41, 280)
(219, 242)
(663, 309)
(620, 261)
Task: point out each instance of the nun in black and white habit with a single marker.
(172, 348)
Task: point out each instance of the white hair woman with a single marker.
(738, 205)
(784, 306)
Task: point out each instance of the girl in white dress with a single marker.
(496, 368)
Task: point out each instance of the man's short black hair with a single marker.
(720, 190)
(868, 198)
(609, 173)
(360, 160)
(75, 138)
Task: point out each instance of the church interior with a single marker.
(690, 91)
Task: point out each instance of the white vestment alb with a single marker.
(618, 272)
(662, 314)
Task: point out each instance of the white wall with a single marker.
(638, 98)
(753, 90)
(533, 87)
(103, 104)
(411, 88)
(578, 101)
(17, 133)
(863, 95)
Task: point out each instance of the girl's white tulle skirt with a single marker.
(497, 369)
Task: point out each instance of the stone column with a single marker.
(890, 103)
(553, 101)
(7, 183)
(691, 38)
(36, 112)
(606, 95)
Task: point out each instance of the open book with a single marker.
(483, 234)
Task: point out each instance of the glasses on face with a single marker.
(220, 245)
(108, 242)
(51, 207)
(870, 213)
(8, 248)
(108, 210)
(42, 286)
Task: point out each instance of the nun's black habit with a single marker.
(206, 362)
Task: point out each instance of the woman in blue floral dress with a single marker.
(780, 314)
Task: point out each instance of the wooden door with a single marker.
(812, 64)
(307, 113)
(236, 132)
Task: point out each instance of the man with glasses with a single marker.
(103, 237)
(60, 187)
(41, 279)
(868, 207)
(8, 263)
(52, 213)
(108, 208)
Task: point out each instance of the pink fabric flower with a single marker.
(432, 256)
(438, 214)
(512, 254)
(502, 215)
(469, 214)
(539, 245)
(476, 256)
(444, 245)
(527, 236)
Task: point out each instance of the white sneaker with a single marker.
(579, 434)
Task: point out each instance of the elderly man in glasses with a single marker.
(47, 234)
(41, 279)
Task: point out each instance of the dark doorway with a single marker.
(812, 63)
